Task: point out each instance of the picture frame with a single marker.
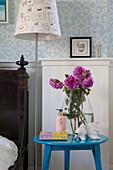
(80, 47)
(3, 11)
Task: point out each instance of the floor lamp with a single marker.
(37, 20)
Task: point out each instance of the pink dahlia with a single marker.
(79, 72)
(87, 83)
(88, 74)
(55, 83)
(71, 82)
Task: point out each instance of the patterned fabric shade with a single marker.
(37, 16)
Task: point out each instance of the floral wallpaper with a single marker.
(80, 18)
(12, 48)
(110, 28)
(77, 18)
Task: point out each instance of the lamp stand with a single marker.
(36, 100)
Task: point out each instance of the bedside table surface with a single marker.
(71, 142)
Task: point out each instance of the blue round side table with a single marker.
(71, 144)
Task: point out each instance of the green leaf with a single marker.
(66, 75)
(83, 74)
(67, 101)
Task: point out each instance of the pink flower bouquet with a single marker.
(76, 87)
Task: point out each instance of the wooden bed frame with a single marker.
(14, 110)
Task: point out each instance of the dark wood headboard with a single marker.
(9, 112)
(14, 106)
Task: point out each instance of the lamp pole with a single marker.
(36, 100)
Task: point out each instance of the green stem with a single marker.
(71, 126)
(83, 121)
(75, 123)
(78, 120)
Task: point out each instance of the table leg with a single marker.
(67, 159)
(97, 157)
(47, 155)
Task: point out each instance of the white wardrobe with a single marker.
(101, 99)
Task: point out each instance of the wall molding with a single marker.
(77, 61)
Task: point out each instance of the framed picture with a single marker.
(80, 47)
(3, 11)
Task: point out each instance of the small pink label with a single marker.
(60, 123)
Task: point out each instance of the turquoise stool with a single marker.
(71, 144)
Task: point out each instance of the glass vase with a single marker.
(78, 109)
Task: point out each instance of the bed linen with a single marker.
(8, 153)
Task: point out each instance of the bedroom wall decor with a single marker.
(80, 47)
(110, 28)
(3, 11)
(12, 48)
(80, 18)
(77, 18)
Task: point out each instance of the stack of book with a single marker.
(62, 135)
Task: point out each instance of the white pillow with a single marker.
(8, 153)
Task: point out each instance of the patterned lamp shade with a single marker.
(37, 16)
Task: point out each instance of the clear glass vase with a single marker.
(78, 109)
